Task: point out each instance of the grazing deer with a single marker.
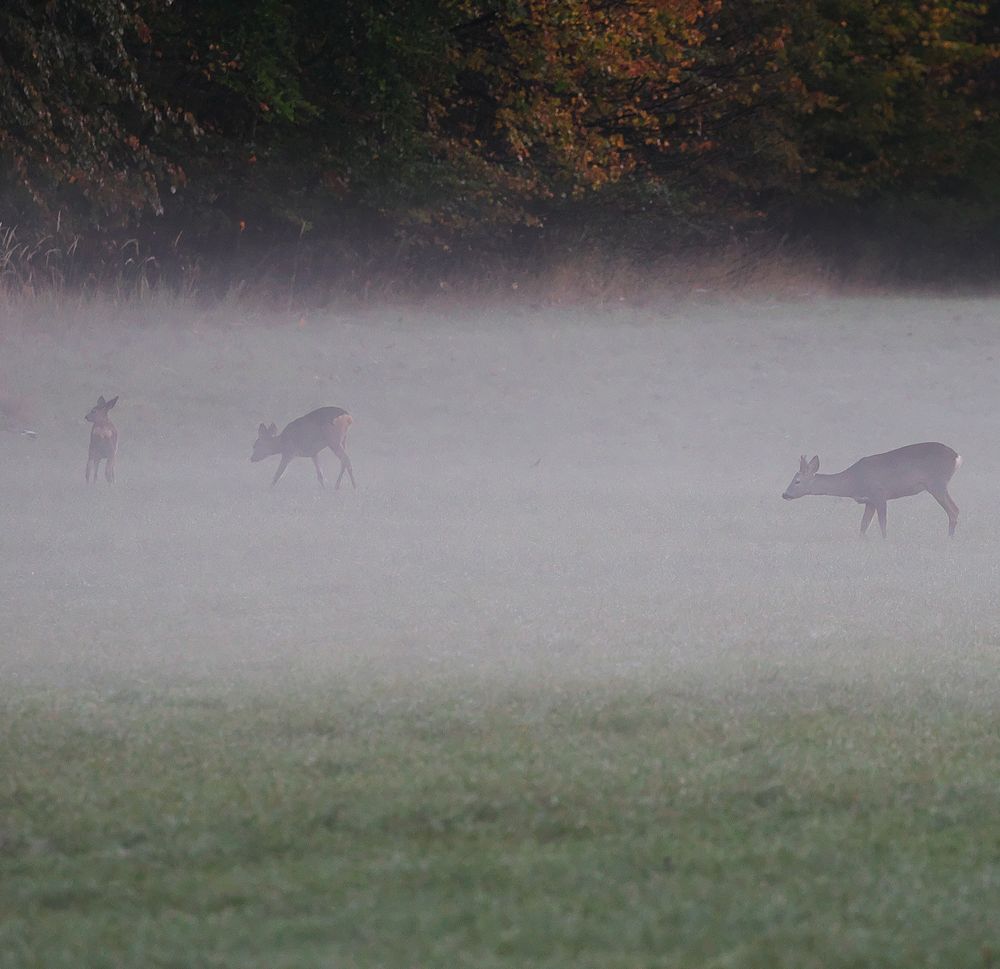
(103, 439)
(874, 480)
(305, 437)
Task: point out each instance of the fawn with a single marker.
(305, 437)
(874, 480)
(103, 439)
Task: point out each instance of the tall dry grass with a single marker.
(50, 278)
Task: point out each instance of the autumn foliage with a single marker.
(217, 132)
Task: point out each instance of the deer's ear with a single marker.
(111, 403)
(101, 402)
(802, 462)
(273, 429)
(262, 431)
(814, 464)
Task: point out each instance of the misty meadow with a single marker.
(563, 682)
(431, 524)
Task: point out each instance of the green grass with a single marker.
(465, 825)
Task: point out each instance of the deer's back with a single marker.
(309, 434)
(906, 470)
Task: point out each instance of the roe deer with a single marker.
(305, 437)
(874, 480)
(103, 439)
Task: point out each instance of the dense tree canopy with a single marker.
(239, 125)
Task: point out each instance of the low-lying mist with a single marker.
(544, 495)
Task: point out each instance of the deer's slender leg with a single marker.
(285, 458)
(948, 504)
(109, 470)
(345, 464)
(866, 518)
(319, 472)
(90, 464)
(880, 508)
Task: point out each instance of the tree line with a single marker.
(227, 137)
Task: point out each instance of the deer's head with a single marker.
(800, 484)
(267, 443)
(98, 414)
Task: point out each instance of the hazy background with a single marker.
(548, 495)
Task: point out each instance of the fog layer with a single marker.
(541, 494)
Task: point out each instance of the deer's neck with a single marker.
(840, 485)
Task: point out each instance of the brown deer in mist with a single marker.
(103, 439)
(874, 480)
(305, 437)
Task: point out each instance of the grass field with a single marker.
(564, 683)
